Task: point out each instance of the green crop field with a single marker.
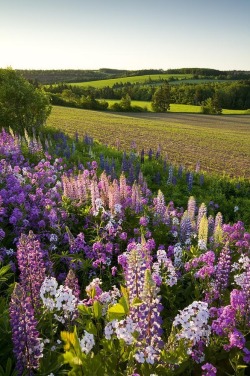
(173, 107)
(220, 143)
(185, 108)
(133, 80)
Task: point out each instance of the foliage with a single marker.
(22, 106)
(161, 99)
(212, 106)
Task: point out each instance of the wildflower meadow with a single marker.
(101, 275)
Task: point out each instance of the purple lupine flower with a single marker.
(31, 266)
(170, 175)
(159, 205)
(208, 370)
(246, 291)
(222, 271)
(136, 198)
(71, 282)
(190, 181)
(211, 223)
(25, 336)
(123, 188)
(2, 234)
(218, 220)
(140, 285)
(149, 313)
(103, 186)
(246, 353)
(144, 221)
(94, 195)
(185, 227)
(191, 207)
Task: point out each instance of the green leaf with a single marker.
(84, 310)
(97, 308)
(136, 302)
(124, 302)
(117, 311)
(91, 328)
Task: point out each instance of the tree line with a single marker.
(229, 95)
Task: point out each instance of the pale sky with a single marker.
(125, 34)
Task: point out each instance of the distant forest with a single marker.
(75, 75)
(226, 89)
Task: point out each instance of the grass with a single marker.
(220, 143)
(133, 80)
(185, 108)
(173, 107)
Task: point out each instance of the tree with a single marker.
(161, 99)
(212, 106)
(22, 106)
(125, 103)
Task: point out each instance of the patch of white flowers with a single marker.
(109, 297)
(193, 322)
(59, 299)
(147, 355)
(165, 268)
(122, 329)
(242, 264)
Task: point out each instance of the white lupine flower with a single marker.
(124, 330)
(104, 298)
(118, 208)
(244, 260)
(59, 318)
(202, 245)
(175, 221)
(9, 252)
(175, 234)
(98, 204)
(177, 255)
(161, 255)
(235, 266)
(139, 357)
(87, 342)
(53, 238)
(151, 354)
(108, 330)
(165, 269)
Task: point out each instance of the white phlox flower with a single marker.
(87, 342)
